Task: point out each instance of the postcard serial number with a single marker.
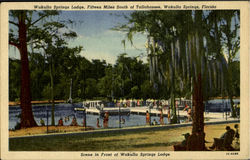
(232, 153)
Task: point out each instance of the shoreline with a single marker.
(11, 103)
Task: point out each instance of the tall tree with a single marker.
(231, 43)
(178, 50)
(224, 40)
(52, 40)
(24, 21)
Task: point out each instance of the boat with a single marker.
(99, 107)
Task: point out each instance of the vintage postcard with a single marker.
(125, 80)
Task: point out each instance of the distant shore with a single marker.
(11, 103)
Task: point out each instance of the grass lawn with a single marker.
(162, 140)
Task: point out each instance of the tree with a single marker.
(106, 85)
(180, 51)
(82, 72)
(25, 23)
(224, 40)
(53, 42)
(160, 29)
(231, 43)
(37, 74)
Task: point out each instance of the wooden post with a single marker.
(47, 120)
(84, 118)
(119, 116)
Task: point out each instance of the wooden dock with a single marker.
(111, 111)
(153, 111)
(131, 110)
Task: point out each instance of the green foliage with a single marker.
(189, 53)
(46, 92)
(14, 79)
(236, 78)
(167, 72)
(128, 78)
(146, 89)
(91, 89)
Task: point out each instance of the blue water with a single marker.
(219, 105)
(63, 110)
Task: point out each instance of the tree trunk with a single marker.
(230, 89)
(196, 142)
(52, 93)
(232, 106)
(173, 107)
(27, 118)
(173, 114)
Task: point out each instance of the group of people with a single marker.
(161, 121)
(129, 102)
(226, 139)
(106, 120)
(60, 121)
(73, 123)
(139, 102)
(148, 119)
(222, 143)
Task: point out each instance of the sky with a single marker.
(95, 35)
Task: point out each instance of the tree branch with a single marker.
(31, 24)
(14, 44)
(13, 23)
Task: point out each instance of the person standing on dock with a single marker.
(161, 118)
(169, 116)
(106, 120)
(147, 118)
(97, 123)
(138, 102)
(102, 106)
